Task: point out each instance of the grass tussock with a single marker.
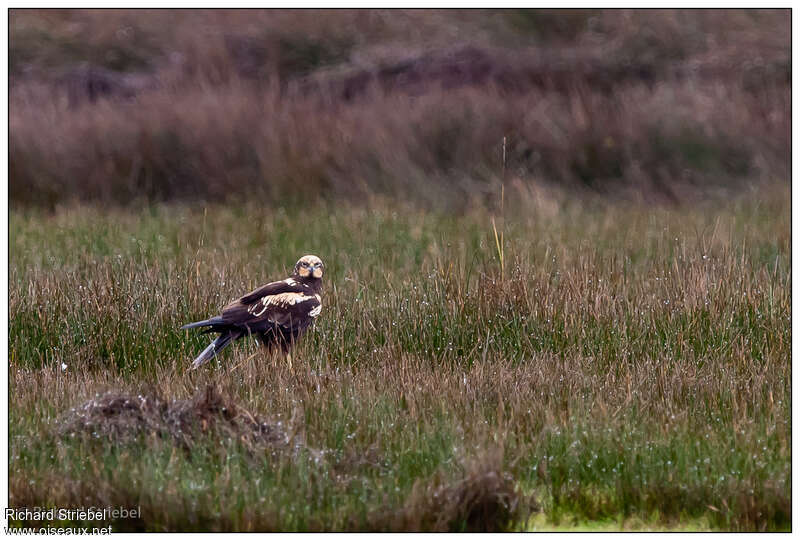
(281, 106)
(484, 499)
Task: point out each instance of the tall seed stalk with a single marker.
(499, 239)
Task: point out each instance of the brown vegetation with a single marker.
(485, 499)
(285, 105)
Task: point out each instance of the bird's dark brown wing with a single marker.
(289, 285)
(287, 303)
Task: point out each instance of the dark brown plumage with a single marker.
(277, 313)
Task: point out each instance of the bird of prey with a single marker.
(277, 313)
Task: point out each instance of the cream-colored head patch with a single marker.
(309, 265)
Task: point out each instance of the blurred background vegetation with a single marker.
(140, 106)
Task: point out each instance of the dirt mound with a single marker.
(124, 417)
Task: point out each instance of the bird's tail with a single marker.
(213, 348)
(205, 323)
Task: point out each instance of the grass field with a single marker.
(624, 367)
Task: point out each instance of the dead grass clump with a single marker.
(124, 417)
(737, 505)
(484, 499)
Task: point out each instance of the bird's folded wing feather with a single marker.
(285, 303)
(288, 285)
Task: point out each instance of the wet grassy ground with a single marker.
(624, 367)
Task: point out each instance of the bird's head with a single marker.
(309, 266)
